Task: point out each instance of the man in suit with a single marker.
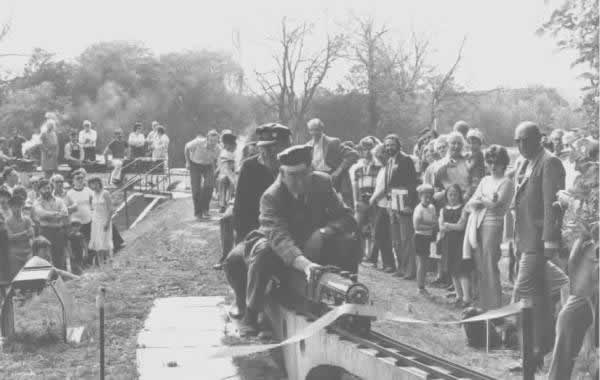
(538, 178)
(399, 176)
(332, 157)
(300, 214)
(256, 175)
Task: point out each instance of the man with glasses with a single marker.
(538, 178)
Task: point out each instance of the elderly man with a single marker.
(87, 139)
(332, 157)
(256, 175)
(118, 149)
(303, 224)
(538, 178)
(200, 159)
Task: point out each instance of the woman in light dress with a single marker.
(101, 236)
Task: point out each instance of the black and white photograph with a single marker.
(299, 190)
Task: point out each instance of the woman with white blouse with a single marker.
(137, 142)
(493, 196)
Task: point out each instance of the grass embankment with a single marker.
(168, 254)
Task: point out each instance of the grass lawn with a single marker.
(168, 254)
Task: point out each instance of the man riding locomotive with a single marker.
(303, 225)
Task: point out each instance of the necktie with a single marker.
(521, 174)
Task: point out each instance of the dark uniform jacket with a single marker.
(288, 223)
(253, 180)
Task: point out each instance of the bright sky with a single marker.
(501, 50)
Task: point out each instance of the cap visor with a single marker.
(265, 143)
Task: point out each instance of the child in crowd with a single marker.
(20, 232)
(452, 223)
(226, 179)
(425, 225)
(41, 251)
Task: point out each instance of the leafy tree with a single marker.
(575, 26)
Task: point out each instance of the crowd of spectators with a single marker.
(449, 208)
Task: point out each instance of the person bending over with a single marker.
(301, 218)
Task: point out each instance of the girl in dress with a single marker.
(101, 236)
(453, 219)
(20, 233)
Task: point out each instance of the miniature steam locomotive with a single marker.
(334, 287)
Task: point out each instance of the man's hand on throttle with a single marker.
(313, 272)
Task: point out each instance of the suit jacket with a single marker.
(400, 172)
(253, 180)
(288, 223)
(536, 219)
(335, 154)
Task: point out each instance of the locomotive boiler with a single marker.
(334, 287)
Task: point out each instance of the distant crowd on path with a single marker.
(75, 223)
(81, 149)
(452, 202)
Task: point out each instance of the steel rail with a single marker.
(410, 356)
(405, 355)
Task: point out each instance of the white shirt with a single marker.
(318, 160)
(81, 198)
(160, 147)
(136, 139)
(380, 186)
(88, 139)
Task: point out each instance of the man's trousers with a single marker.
(574, 319)
(202, 181)
(383, 239)
(252, 263)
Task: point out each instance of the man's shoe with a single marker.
(218, 266)
(249, 326)
(236, 312)
(423, 292)
(409, 277)
(398, 274)
(265, 335)
(388, 270)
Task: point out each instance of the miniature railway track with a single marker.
(405, 355)
(408, 356)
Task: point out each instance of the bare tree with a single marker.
(440, 86)
(368, 54)
(289, 89)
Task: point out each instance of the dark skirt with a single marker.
(452, 249)
(423, 245)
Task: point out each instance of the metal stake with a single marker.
(100, 304)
